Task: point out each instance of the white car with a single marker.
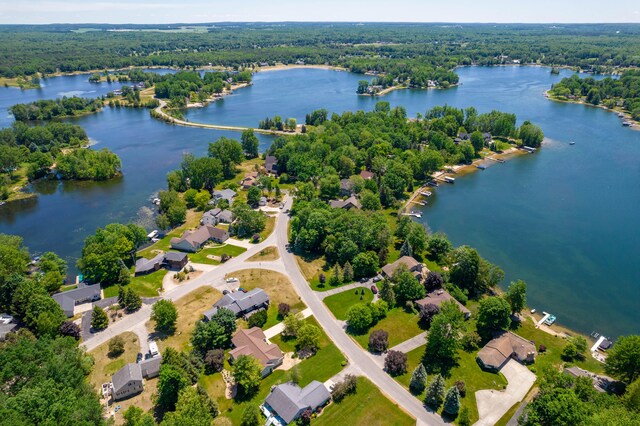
(232, 280)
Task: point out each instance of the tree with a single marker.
(209, 335)
(452, 401)
(443, 338)
(292, 323)
(308, 337)
(250, 143)
(336, 277)
(435, 392)
(632, 396)
(463, 417)
(251, 416)
(438, 246)
(165, 315)
(345, 387)
(347, 273)
(247, 374)
(253, 196)
(386, 293)
(433, 281)
(227, 320)
(517, 296)
(283, 310)
(247, 221)
(370, 200)
(623, 360)
(329, 187)
(464, 272)
(407, 287)
(477, 140)
(427, 312)
(70, 328)
(359, 318)
(214, 361)
(531, 135)
(170, 382)
(395, 363)
(378, 341)
(99, 319)
(258, 319)
(230, 154)
(134, 416)
(116, 346)
(418, 380)
(406, 249)
(202, 199)
(494, 315)
(189, 197)
(365, 264)
(192, 408)
(128, 299)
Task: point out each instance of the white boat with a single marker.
(572, 143)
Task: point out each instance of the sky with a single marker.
(195, 11)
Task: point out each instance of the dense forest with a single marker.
(406, 52)
(48, 109)
(620, 92)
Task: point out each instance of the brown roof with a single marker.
(252, 342)
(365, 174)
(409, 261)
(201, 235)
(498, 350)
(436, 297)
(351, 202)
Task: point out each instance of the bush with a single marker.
(542, 349)
(427, 312)
(258, 319)
(283, 310)
(470, 341)
(70, 328)
(462, 388)
(433, 281)
(224, 257)
(344, 388)
(378, 341)
(214, 361)
(395, 363)
(116, 346)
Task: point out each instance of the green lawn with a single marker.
(368, 406)
(229, 249)
(144, 285)
(323, 365)
(400, 325)
(339, 304)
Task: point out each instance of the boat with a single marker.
(626, 123)
(481, 166)
(550, 320)
(572, 143)
(449, 179)
(425, 193)
(156, 201)
(433, 183)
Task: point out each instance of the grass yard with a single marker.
(229, 249)
(105, 366)
(311, 268)
(277, 286)
(368, 406)
(192, 221)
(269, 226)
(400, 325)
(144, 285)
(190, 309)
(339, 304)
(265, 255)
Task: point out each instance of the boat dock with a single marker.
(420, 203)
(425, 193)
(412, 214)
(594, 348)
(497, 160)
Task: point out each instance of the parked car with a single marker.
(364, 279)
(225, 292)
(374, 289)
(139, 357)
(377, 278)
(232, 280)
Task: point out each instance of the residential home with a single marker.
(250, 179)
(127, 382)
(504, 346)
(146, 266)
(348, 204)
(436, 297)
(69, 299)
(263, 201)
(210, 217)
(416, 268)
(346, 187)
(240, 303)
(271, 165)
(175, 260)
(487, 138)
(253, 342)
(191, 241)
(7, 325)
(150, 368)
(288, 401)
(225, 216)
(366, 175)
(600, 382)
(227, 194)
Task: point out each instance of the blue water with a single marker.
(563, 219)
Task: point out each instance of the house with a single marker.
(175, 260)
(191, 241)
(127, 381)
(210, 217)
(418, 269)
(150, 368)
(436, 297)
(253, 342)
(346, 187)
(271, 165)
(503, 347)
(288, 401)
(262, 201)
(6, 325)
(69, 299)
(227, 194)
(464, 136)
(250, 179)
(240, 303)
(600, 383)
(146, 266)
(348, 204)
(225, 216)
(487, 138)
(366, 175)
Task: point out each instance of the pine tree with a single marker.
(387, 294)
(347, 273)
(406, 249)
(435, 393)
(418, 379)
(452, 401)
(99, 319)
(336, 277)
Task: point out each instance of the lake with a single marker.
(561, 219)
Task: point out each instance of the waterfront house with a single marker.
(416, 268)
(253, 342)
(250, 179)
(271, 165)
(287, 401)
(210, 217)
(69, 299)
(240, 303)
(175, 260)
(505, 346)
(191, 241)
(437, 297)
(366, 175)
(225, 216)
(227, 194)
(348, 204)
(127, 381)
(601, 383)
(487, 138)
(146, 266)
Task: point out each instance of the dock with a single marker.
(412, 214)
(544, 318)
(497, 160)
(594, 348)
(425, 193)
(420, 203)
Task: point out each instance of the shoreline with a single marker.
(281, 67)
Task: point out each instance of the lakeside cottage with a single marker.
(191, 241)
(210, 217)
(416, 268)
(271, 165)
(250, 179)
(366, 175)
(227, 194)
(170, 260)
(68, 300)
(240, 303)
(348, 204)
(287, 401)
(253, 342)
(437, 297)
(503, 347)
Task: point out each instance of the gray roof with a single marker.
(67, 299)
(174, 256)
(127, 373)
(145, 265)
(240, 302)
(6, 329)
(226, 215)
(151, 367)
(288, 400)
(271, 163)
(224, 193)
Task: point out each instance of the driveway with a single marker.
(493, 404)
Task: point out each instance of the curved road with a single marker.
(358, 358)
